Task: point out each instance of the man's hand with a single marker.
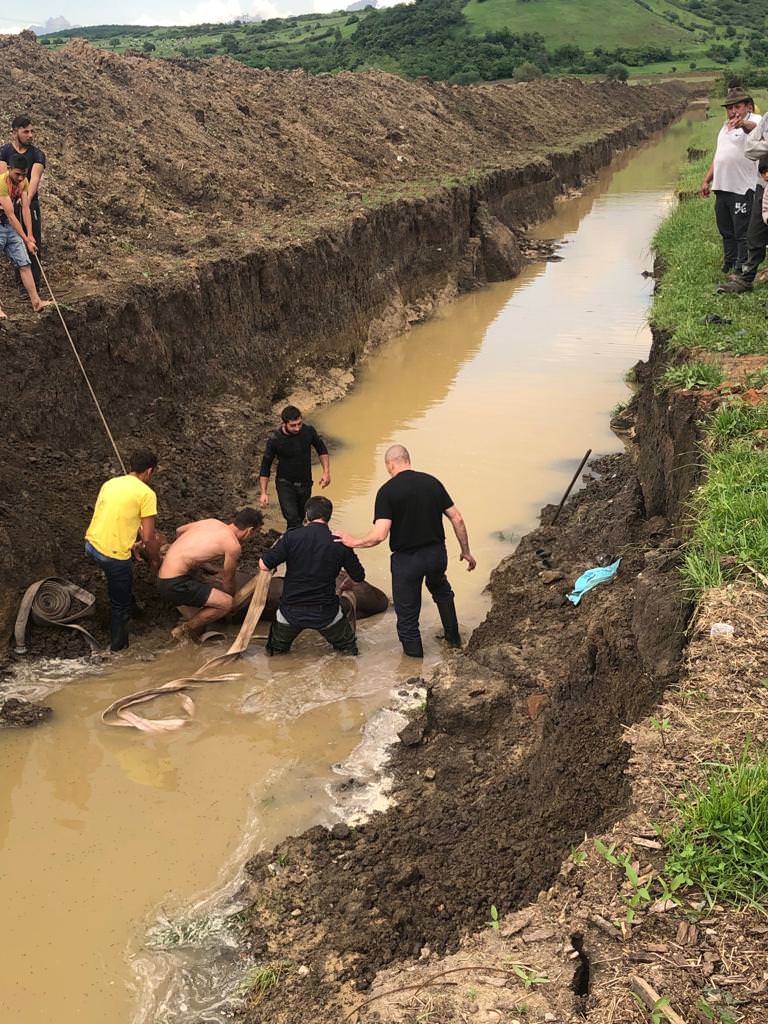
(466, 556)
(264, 499)
(705, 189)
(325, 479)
(30, 243)
(345, 538)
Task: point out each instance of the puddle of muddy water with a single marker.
(103, 831)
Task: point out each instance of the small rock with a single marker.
(340, 830)
(303, 971)
(536, 703)
(412, 734)
(296, 913)
(551, 576)
(430, 774)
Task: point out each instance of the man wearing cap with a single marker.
(755, 149)
(733, 179)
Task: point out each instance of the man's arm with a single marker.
(231, 558)
(275, 556)
(151, 541)
(325, 460)
(34, 179)
(706, 184)
(460, 529)
(380, 532)
(353, 566)
(264, 471)
(13, 220)
(26, 213)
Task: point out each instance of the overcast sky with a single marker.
(163, 12)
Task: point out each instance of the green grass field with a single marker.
(587, 23)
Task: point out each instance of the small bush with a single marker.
(617, 72)
(719, 842)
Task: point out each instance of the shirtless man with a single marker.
(196, 543)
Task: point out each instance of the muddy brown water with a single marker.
(104, 833)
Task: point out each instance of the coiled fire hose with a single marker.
(54, 602)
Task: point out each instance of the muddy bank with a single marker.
(190, 362)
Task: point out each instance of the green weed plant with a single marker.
(719, 842)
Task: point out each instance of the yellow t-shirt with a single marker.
(5, 185)
(121, 505)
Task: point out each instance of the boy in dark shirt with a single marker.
(309, 600)
(292, 445)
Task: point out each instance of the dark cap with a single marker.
(736, 95)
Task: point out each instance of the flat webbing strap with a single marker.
(119, 714)
(53, 601)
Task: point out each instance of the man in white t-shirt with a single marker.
(733, 178)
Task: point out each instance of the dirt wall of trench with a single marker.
(190, 364)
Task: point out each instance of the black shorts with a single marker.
(184, 590)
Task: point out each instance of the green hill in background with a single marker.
(472, 40)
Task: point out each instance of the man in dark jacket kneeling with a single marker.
(313, 561)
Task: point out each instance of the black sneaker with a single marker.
(736, 287)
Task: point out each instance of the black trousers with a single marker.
(293, 499)
(732, 213)
(757, 238)
(34, 209)
(411, 569)
(340, 635)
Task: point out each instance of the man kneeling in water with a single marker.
(309, 601)
(196, 543)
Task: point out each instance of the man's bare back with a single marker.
(197, 543)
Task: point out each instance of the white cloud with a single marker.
(213, 11)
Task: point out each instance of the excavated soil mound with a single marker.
(154, 164)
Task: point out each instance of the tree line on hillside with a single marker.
(428, 38)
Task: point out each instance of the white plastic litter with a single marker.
(721, 629)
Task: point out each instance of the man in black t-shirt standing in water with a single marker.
(292, 444)
(409, 510)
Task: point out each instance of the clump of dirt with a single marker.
(519, 752)
(17, 713)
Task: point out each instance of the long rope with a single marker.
(80, 364)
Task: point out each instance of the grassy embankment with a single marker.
(719, 842)
(716, 342)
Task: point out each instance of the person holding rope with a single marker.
(14, 191)
(195, 544)
(125, 509)
(21, 143)
(309, 599)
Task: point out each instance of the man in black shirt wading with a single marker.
(313, 561)
(409, 509)
(22, 144)
(292, 443)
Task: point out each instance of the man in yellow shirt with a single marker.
(15, 238)
(125, 507)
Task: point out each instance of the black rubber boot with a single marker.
(413, 649)
(446, 608)
(341, 636)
